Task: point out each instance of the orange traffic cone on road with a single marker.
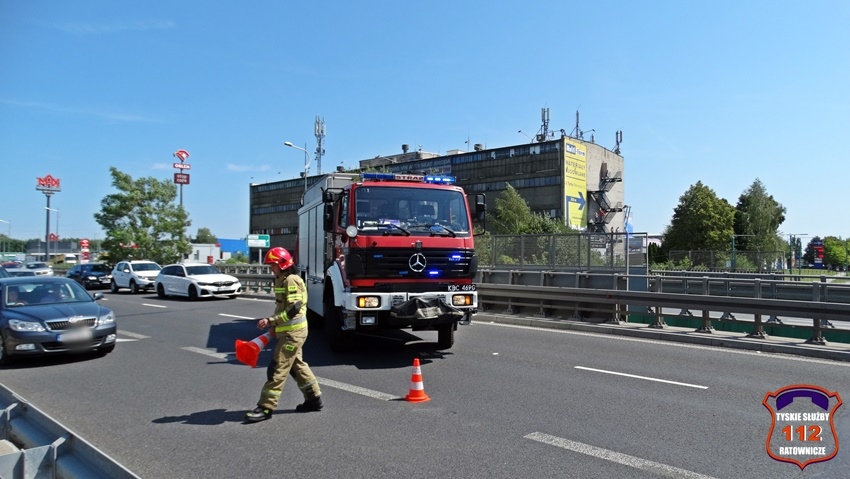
(417, 388)
(248, 352)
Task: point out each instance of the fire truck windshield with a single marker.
(410, 211)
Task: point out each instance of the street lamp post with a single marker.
(733, 249)
(8, 244)
(55, 246)
(307, 160)
(792, 239)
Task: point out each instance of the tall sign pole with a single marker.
(47, 185)
(181, 178)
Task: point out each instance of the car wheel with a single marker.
(113, 287)
(4, 357)
(160, 291)
(193, 293)
(134, 288)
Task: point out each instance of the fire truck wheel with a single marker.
(445, 336)
(338, 340)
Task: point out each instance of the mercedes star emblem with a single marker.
(417, 263)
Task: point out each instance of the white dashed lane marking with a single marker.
(619, 458)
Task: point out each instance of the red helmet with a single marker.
(280, 257)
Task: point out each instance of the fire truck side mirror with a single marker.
(328, 217)
(480, 207)
(329, 196)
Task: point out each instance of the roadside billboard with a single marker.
(575, 184)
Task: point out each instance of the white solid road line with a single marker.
(619, 458)
(324, 382)
(154, 305)
(697, 386)
(132, 335)
(207, 352)
(357, 389)
(235, 316)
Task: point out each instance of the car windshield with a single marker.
(203, 269)
(20, 272)
(37, 265)
(23, 294)
(4, 273)
(146, 267)
(100, 268)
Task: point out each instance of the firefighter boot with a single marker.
(258, 414)
(314, 404)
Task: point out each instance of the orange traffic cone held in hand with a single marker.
(248, 352)
(417, 388)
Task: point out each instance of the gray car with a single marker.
(46, 315)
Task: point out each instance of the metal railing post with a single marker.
(758, 328)
(706, 319)
(817, 335)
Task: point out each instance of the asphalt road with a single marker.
(506, 402)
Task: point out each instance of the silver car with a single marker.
(40, 268)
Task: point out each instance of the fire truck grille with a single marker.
(411, 263)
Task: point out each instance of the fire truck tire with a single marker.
(445, 336)
(338, 340)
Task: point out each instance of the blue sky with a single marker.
(720, 92)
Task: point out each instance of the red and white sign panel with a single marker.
(48, 183)
(181, 178)
(182, 166)
(182, 154)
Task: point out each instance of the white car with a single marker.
(195, 280)
(137, 275)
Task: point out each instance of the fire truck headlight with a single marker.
(462, 300)
(368, 301)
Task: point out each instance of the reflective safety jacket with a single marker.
(290, 297)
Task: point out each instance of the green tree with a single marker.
(809, 253)
(205, 236)
(834, 251)
(513, 216)
(238, 258)
(757, 220)
(701, 221)
(142, 220)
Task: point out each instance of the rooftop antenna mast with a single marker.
(320, 135)
(544, 117)
(619, 137)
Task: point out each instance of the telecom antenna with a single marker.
(320, 135)
(544, 117)
(618, 136)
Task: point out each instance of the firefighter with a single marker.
(289, 324)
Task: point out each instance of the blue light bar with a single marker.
(444, 180)
(437, 179)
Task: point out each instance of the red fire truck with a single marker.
(388, 251)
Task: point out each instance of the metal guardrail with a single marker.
(613, 301)
(614, 296)
(34, 446)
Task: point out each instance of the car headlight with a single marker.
(91, 278)
(29, 326)
(106, 319)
